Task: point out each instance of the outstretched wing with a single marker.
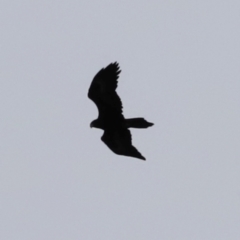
(120, 142)
(102, 92)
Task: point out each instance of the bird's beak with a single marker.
(91, 125)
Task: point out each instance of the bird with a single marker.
(111, 120)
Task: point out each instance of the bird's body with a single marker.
(110, 119)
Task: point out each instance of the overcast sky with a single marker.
(180, 64)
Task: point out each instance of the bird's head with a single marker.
(93, 124)
(96, 124)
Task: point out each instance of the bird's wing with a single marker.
(102, 91)
(120, 142)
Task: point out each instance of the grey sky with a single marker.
(180, 69)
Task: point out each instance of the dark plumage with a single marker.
(116, 134)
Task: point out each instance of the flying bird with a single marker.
(116, 134)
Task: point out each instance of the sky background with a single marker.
(180, 64)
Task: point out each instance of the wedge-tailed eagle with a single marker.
(116, 134)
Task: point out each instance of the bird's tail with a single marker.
(137, 123)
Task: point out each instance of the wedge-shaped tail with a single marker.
(137, 123)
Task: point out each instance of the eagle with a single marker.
(110, 119)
